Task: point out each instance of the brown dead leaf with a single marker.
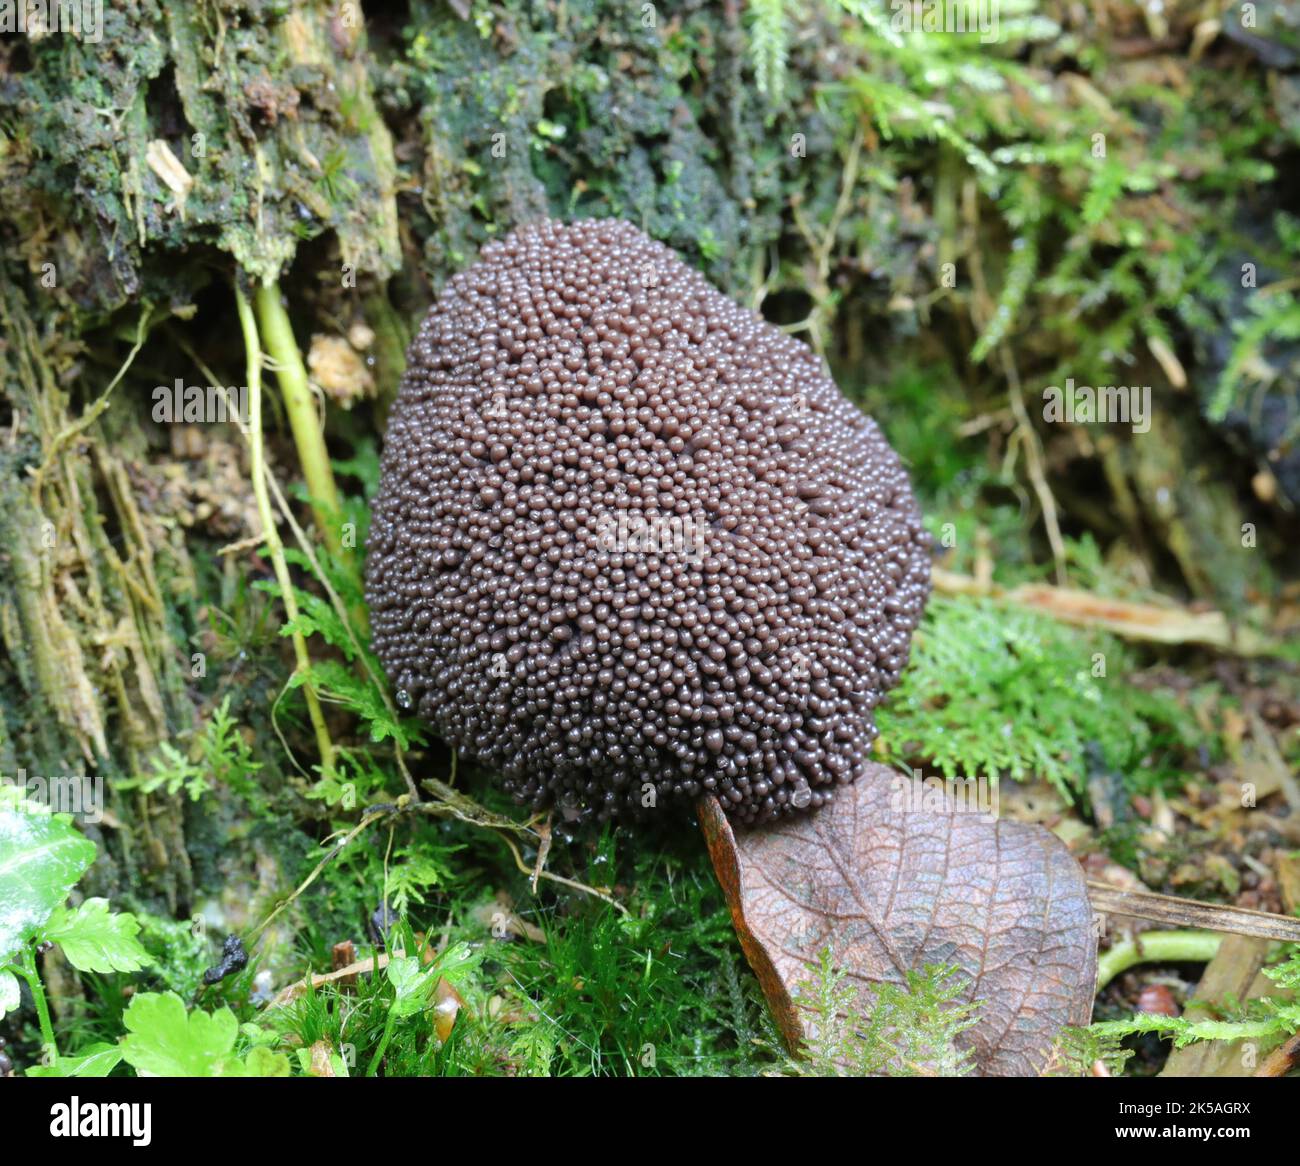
(339, 369)
(320, 1065)
(447, 1005)
(504, 922)
(887, 891)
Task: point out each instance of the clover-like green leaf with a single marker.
(264, 1062)
(411, 984)
(97, 1060)
(163, 1040)
(41, 858)
(97, 940)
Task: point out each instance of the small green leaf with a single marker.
(164, 1041)
(318, 617)
(338, 1065)
(457, 964)
(97, 940)
(361, 696)
(262, 1062)
(256, 1035)
(411, 984)
(41, 858)
(97, 1060)
(1287, 975)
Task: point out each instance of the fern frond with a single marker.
(769, 45)
(1022, 266)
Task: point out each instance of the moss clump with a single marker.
(995, 690)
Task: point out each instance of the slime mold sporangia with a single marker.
(581, 379)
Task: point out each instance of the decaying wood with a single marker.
(1191, 913)
(1281, 1061)
(1162, 624)
(1233, 972)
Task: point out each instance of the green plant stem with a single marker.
(300, 405)
(271, 533)
(1157, 947)
(29, 972)
(383, 1043)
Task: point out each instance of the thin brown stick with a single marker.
(1166, 623)
(1281, 1061)
(298, 987)
(543, 849)
(571, 883)
(1035, 461)
(1190, 913)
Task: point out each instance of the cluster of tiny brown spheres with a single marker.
(631, 544)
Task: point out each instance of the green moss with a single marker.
(603, 112)
(266, 108)
(659, 990)
(994, 690)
